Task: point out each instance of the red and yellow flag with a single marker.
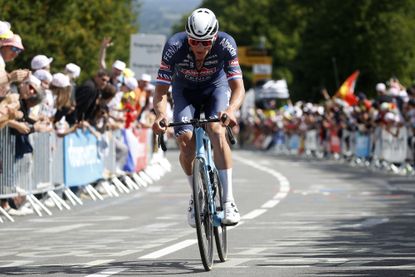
(346, 91)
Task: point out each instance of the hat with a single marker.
(119, 65)
(145, 77)
(73, 69)
(15, 41)
(5, 32)
(35, 83)
(390, 117)
(128, 72)
(40, 61)
(380, 87)
(130, 83)
(60, 80)
(43, 75)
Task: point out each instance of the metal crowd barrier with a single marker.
(377, 150)
(7, 153)
(43, 171)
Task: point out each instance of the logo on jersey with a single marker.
(211, 62)
(226, 44)
(171, 51)
(203, 72)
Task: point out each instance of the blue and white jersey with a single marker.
(178, 64)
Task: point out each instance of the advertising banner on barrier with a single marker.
(142, 156)
(335, 142)
(362, 149)
(311, 140)
(83, 162)
(294, 143)
(394, 148)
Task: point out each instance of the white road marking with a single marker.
(254, 213)
(169, 249)
(107, 272)
(282, 193)
(270, 204)
(252, 251)
(63, 228)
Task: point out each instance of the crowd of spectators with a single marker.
(42, 98)
(393, 108)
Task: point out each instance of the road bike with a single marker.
(207, 192)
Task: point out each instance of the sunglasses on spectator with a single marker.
(16, 50)
(195, 42)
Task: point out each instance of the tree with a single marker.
(70, 31)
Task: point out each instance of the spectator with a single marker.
(117, 67)
(128, 100)
(72, 71)
(47, 106)
(64, 117)
(31, 94)
(87, 95)
(10, 49)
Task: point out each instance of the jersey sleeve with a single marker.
(168, 57)
(231, 62)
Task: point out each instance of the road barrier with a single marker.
(81, 160)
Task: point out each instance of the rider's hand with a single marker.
(230, 119)
(157, 128)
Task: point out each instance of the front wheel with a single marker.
(220, 231)
(203, 217)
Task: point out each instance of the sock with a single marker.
(225, 176)
(190, 181)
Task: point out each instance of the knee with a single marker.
(186, 145)
(217, 132)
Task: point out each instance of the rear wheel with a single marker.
(220, 231)
(203, 218)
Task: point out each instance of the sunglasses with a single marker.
(205, 43)
(16, 50)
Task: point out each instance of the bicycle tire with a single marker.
(221, 237)
(203, 218)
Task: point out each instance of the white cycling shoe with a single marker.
(232, 216)
(191, 214)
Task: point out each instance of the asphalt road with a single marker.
(299, 218)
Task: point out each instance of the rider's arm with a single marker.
(237, 94)
(234, 75)
(160, 106)
(160, 100)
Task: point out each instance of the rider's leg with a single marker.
(187, 151)
(223, 159)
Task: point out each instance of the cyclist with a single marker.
(201, 65)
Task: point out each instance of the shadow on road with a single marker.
(132, 268)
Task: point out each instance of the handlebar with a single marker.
(196, 123)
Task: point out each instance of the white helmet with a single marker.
(202, 24)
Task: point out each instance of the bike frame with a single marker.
(204, 152)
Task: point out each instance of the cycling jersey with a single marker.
(178, 64)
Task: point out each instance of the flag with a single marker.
(346, 91)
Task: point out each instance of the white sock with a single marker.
(225, 176)
(190, 180)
